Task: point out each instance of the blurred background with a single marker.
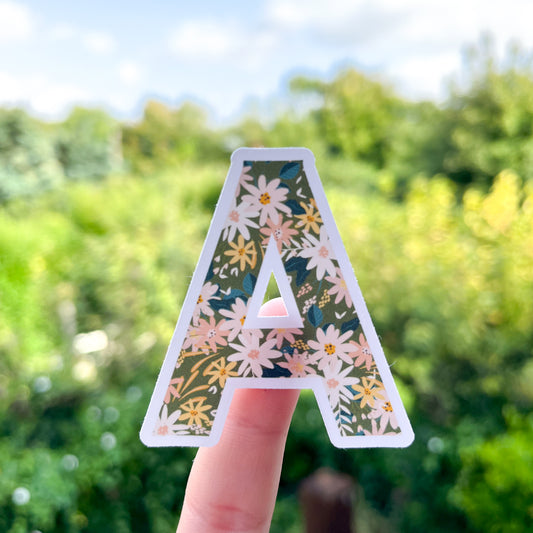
(117, 121)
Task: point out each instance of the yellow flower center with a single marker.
(310, 219)
(387, 407)
(330, 348)
(241, 251)
(243, 320)
(265, 198)
(222, 371)
(193, 412)
(200, 299)
(367, 391)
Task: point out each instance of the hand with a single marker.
(233, 485)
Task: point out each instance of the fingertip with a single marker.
(274, 307)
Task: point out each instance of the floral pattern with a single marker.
(274, 200)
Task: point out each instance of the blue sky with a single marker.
(116, 54)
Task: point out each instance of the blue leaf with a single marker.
(351, 389)
(295, 207)
(315, 316)
(217, 305)
(290, 170)
(234, 294)
(298, 264)
(276, 372)
(350, 325)
(249, 283)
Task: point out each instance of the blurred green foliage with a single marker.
(27, 160)
(35, 157)
(435, 206)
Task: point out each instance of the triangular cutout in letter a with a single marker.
(273, 217)
(272, 265)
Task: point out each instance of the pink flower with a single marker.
(283, 333)
(268, 198)
(236, 317)
(281, 232)
(209, 333)
(173, 389)
(339, 288)
(331, 345)
(298, 364)
(361, 352)
(320, 252)
(252, 354)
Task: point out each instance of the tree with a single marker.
(492, 116)
(166, 136)
(27, 160)
(356, 114)
(89, 144)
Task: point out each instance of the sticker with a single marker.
(273, 218)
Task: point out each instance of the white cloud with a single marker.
(423, 77)
(417, 43)
(224, 41)
(451, 22)
(204, 39)
(129, 72)
(99, 42)
(16, 21)
(44, 96)
(343, 21)
(62, 32)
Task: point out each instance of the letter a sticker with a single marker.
(273, 218)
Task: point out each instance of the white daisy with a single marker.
(166, 425)
(239, 220)
(337, 382)
(253, 355)
(268, 198)
(330, 346)
(235, 318)
(202, 304)
(320, 253)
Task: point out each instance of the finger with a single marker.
(233, 485)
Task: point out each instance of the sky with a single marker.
(229, 56)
